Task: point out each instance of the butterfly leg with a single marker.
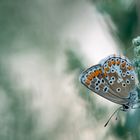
(117, 114)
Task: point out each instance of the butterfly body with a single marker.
(113, 78)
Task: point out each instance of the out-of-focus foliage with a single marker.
(74, 63)
(93, 111)
(124, 15)
(17, 120)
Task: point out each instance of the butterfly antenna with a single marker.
(112, 116)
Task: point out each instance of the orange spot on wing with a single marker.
(97, 72)
(89, 77)
(93, 74)
(109, 63)
(87, 82)
(129, 67)
(107, 69)
(112, 62)
(105, 74)
(123, 64)
(118, 62)
(100, 71)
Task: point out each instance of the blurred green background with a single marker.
(44, 46)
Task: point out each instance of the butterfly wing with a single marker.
(94, 79)
(120, 75)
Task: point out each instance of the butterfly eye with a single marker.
(127, 72)
(103, 80)
(112, 70)
(118, 89)
(110, 82)
(113, 78)
(127, 81)
(123, 84)
(105, 65)
(96, 84)
(132, 77)
(105, 89)
(123, 74)
(120, 71)
(97, 88)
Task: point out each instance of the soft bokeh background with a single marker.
(44, 46)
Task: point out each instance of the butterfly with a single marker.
(114, 78)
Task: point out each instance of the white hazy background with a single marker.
(37, 66)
